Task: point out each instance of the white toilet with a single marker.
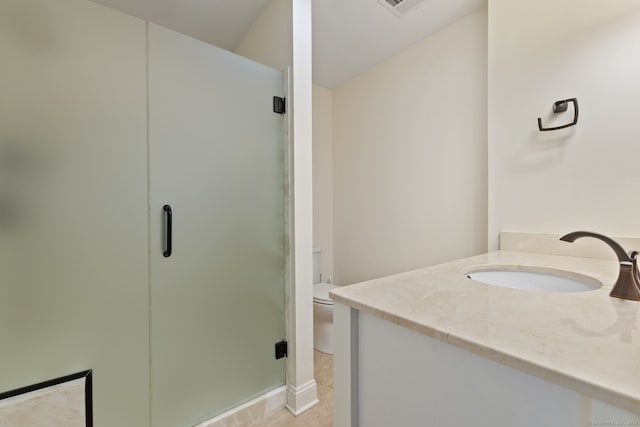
(322, 309)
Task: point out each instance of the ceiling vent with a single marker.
(400, 7)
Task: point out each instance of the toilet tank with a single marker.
(316, 265)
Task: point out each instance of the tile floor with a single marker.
(320, 415)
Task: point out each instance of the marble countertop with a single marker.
(585, 341)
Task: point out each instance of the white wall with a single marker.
(323, 178)
(409, 157)
(269, 40)
(585, 177)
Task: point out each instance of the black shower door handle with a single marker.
(169, 230)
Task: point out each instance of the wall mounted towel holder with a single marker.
(561, 107)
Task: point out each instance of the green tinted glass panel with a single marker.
(73, 202)
(216, 156)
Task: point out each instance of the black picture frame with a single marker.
(88, 391)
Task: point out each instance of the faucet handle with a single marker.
(619, 250)
(627, 285)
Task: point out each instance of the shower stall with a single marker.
(142, 214)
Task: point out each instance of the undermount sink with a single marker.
(537, 279)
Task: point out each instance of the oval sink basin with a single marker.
(534, 280)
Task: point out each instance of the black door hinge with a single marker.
(278, 105)
(281, 349)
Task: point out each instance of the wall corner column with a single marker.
(302, 389)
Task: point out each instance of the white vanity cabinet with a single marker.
(433, 348)
(407, 379)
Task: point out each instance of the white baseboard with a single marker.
(251, 412)
(299, 399)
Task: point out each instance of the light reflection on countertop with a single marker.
(585, 341)
(622, 327)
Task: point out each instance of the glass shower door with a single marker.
(216, 159)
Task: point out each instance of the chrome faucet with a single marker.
(627, 285)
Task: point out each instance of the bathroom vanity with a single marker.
(434, 347)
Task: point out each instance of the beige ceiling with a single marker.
(349, 36)
(219, 22)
